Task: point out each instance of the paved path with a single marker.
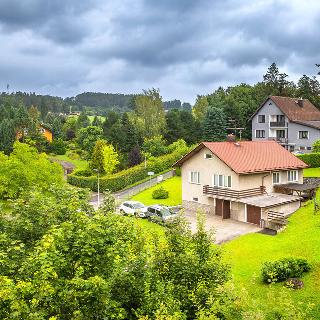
(226, 229)
(130, 192)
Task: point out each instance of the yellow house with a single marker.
(46, 132)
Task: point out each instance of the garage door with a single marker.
(223, 208)
(219, 207)
(253, 214)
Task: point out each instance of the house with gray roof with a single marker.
(292, 122)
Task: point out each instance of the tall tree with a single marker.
(174, 126)
(214, 125)
(149, 108)
(135, 156)
(200, 108)
(309, 88)
(96, 122)
(7, 135)
(277, 82)
(83, 120)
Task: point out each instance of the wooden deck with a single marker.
(235, 194)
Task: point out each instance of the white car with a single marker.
(133, 208)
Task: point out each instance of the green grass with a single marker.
(300, 239)
(311, 172)
(173, 185)
(79, 163)
(99, 117)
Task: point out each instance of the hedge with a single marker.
(311, 159)
(120, 180)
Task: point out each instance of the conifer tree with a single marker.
(214, 125)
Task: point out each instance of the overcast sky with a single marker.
(184, 48)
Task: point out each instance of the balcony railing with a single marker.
(278, 124)
(229, 193)
(280, 140)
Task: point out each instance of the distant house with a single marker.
(46, 132)
(249, 181)
(292, 122)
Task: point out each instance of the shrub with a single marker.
(83, 173)
(58, 146)
(160, 193)
(316, 146)
(283, 269)
(311, 159)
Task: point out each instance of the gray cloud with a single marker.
(184, 48)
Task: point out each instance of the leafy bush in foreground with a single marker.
(284, 269)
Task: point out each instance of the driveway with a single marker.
(226, 229)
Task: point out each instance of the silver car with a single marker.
(158, 213)
(133, 208)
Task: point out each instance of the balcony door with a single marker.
(280, 118)
(280, 134)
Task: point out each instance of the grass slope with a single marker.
(79, 163)
(301, 239)
(311, 172)
(173, 185)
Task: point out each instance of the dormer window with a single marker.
(208, 155)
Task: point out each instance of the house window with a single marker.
(195, 177)
(303, 134)
(261, 118)
(275, 177)
(309, 148)
(195, 199)
(302, 148)
(208, 156)
(260, 134)
(280, 118)
(220, 180)
(292, 175)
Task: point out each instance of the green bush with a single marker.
(283, 269)
(57, 146)
(311, 159)
(160, 193)
(83, 173)
(124, 178)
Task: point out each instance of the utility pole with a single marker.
(97, 171)
(237, 129)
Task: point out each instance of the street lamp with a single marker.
(97, 171)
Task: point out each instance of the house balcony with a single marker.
(278, 124)
(279, 140)
(234, 194)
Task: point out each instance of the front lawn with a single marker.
(173, 185)
(311, 172)
(301, 239)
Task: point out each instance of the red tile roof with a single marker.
(291, 108)
(250, 156)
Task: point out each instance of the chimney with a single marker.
(300, 102)
(231, 138)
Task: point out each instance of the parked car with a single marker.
(158, 213)
(133, 208)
